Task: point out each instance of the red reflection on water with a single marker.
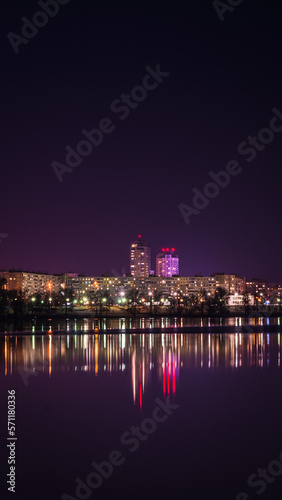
(168, 381)
(140, 396)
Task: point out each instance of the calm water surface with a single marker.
(80, 397)
(90, 324)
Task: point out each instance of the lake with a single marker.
(80, 324)
(157, 416)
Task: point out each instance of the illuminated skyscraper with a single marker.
(140, 258)
(167, 263)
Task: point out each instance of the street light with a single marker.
(50, 290)
(150, 295)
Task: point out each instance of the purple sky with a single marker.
(224, 81)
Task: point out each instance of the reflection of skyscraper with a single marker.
(167, 263)
(140, 258)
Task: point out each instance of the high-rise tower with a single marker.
(140, 258)
(167, 263)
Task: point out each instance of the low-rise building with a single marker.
(30, 283)
(232, 283)
(239, 300)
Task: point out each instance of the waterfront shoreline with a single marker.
(115, 313)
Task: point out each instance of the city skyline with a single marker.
(122, 265)
(140, 249)
(163, 146)
(125, 270)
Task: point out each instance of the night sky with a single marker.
(224, 81)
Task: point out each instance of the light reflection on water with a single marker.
(81, 324)
(78, 393)
(162, 356)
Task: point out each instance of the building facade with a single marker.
(140, 259)
(239, 300)
(232, 283)
(31, 283)
(167, 263)
(118, 287)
